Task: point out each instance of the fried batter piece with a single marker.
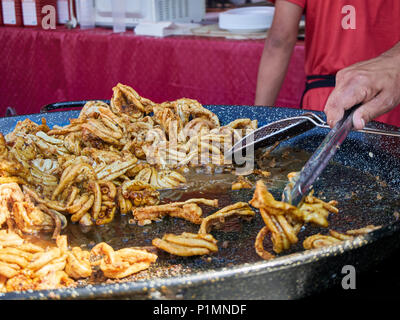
(334, 237)
(78, 264)
(122, 263)
(25, 266)
(3, 288)
(10, 193)
(127, 100)
(64, 165)
(15, 253)
(264, 199)
(284, 221)
(217, 219)
(188, 210)
(26, 127)
(187, 244)
(17, 208)
(161, 179)
(317, 211)
(241, 183)
(139, 193)
(27, 280)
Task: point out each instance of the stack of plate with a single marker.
(1, 15)
(248, 19)
(12, 12)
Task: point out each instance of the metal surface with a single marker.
(319, 160)
(273, 132)
(365, 179)
(65, 105)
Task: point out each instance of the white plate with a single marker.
(249, 19)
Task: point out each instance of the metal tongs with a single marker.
(284, 129)
(296, 190)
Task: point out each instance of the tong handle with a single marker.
(66, 105)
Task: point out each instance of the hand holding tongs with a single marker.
(287, 128)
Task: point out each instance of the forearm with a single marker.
(272, 70)
(282, 37)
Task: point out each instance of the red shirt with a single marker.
(331, 47)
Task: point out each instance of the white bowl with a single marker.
(249, 19)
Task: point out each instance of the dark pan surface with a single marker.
(364, 177)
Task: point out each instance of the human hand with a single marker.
(374, 83)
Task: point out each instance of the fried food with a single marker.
(116, 158)
(242, 183)
(122, 263)
(217, 219)
(140, 193)
(17, 208)
(334, 237)
(187, 244)
(10, 193)
(264, 199)
(130, 140)
(78, 264)
(317, 211)
(259, 246)
(188, 210)
(284, 221)
(25, 266)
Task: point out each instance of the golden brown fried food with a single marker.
(127, 100)
(284, 220)
(319, 240)
(362, 231)
(283, 233)
(334, 237)
(78, 264)
(122, 263)
(25, 127)
(30, 268)
(187, 244)
(70, 175)
(259, 246)
(241, 183)
(140, 193)
(317, 211)
(3, 148)
(10, 239)
(240, 209)
(104, 144)
(3, 288)
(28, 280)
(188, 210)
(10, 193)
(263, 199)
(88, 170)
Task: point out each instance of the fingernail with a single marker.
(362, 123)
(359, 123)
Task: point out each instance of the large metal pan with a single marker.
(364, 178)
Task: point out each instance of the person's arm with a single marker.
(278, 49)
(374, 83)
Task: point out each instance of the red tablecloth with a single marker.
(40, 67)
